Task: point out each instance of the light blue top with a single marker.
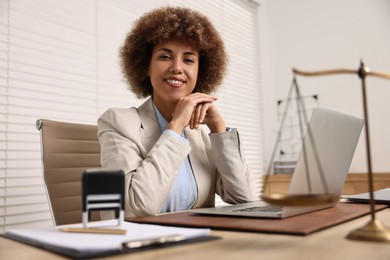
(184, 191)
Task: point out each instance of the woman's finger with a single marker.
(203, 112)
(196, 116)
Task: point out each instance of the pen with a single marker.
(153, 241)
(94, 230)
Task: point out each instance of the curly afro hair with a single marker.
(172, 23)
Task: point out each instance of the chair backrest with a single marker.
(67, 150)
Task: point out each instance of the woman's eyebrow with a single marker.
(170, 51)
(189, 53)
(166, 49)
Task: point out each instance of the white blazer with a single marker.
(131, 140)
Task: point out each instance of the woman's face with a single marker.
(173, 71)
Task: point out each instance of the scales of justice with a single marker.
(374, 230)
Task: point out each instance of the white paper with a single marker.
(87, 242)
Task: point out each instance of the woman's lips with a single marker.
(175, 83)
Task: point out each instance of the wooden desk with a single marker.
(324, 245)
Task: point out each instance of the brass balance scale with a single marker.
(374, 230)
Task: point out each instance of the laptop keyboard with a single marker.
(266, 208)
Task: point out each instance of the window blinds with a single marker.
(59, 60)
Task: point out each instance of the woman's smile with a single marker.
(175, 82)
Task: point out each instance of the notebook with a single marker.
(335, 137)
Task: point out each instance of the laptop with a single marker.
(335, 137)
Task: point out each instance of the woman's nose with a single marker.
(176, 67)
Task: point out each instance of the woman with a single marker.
(175, 149)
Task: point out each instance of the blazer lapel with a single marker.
(150, 131)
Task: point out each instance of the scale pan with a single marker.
(300, 199)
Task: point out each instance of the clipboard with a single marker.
(160, 237)
(75, 254)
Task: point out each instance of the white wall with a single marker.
(318, 35)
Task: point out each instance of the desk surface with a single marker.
(327, 244)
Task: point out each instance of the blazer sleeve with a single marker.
(148, 174)
(234, 179)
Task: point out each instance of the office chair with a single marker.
(67, 150)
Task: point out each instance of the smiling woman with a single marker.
(176, 144)
(61, 62)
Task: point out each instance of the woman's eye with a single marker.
(189, 60)
(164, 57)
